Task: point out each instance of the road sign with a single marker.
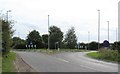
(106, 43)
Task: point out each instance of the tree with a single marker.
(7, 34)
(64, 45)
(45, 40)
(93, 46)
(34, 38)
(70, 38)
(116, 46)
(56, 36)
(81, 45)
(18, 43)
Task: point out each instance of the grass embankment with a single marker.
(7, 62)
(106, 55)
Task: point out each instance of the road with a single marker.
(66, 62)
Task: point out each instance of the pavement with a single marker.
(21, 65)
(66, 62)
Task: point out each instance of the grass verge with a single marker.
(53, 51)
(7, 62)
(106, 55)
(95, 55)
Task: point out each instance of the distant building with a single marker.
(119, 21)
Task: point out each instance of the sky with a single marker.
(81, 14)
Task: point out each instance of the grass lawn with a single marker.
(7, 63)
(106, 55)
(95, 55)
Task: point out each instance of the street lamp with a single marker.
(48, 34)
(116, 38)
(108, 30)
(88, 39)
(98, 28)
(7, 14)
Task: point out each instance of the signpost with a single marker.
(57, 45)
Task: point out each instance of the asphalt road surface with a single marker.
(66, 62)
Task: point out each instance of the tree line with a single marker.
(35, 41)
(56, 39)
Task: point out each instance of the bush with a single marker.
(106, 54)
(109, 54)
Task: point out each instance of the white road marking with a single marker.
(91, 68)
(80, 65)
(63, 60)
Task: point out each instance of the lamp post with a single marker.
(108, 30)
(116, 35)
(98, 29)
(48, 34)
(116, 38)
(88, 39)
(7, 14)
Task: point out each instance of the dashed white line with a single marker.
(91, 68)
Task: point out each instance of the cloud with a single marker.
(82, 14)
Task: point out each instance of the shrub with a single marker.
(109, 54)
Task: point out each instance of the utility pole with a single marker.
(116, 38)
(116, 35)
(98, 29)
(48, 34)
(108, 31)
(88, 39)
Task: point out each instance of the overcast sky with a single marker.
(82, 14)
